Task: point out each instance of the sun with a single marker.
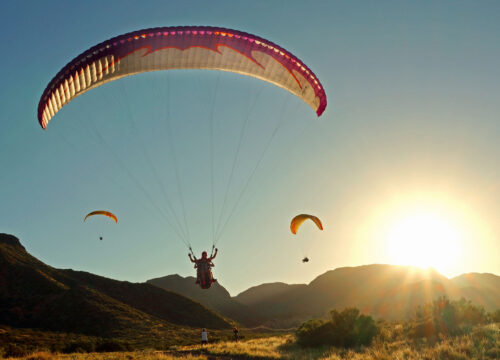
(424, 239)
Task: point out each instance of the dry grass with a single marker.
(482, 343)
(138, 355)
(262, 348)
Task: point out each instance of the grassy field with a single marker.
(482, 343)
(138, 355)
(20, 341)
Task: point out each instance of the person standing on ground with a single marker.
(204, 337)
(235, 331)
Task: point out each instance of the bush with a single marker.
(101, 345)
(365, 330)
(495, 316)
(446, 317)
(345, 329)
(343, 324)
(469, 314)
(312, 333)
(78, 346)
(112, 345)
(12, 350)
(423, 328)
(493, 353)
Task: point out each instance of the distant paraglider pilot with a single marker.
(203, 267)
(306, 259)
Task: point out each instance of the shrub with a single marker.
(423, 328)
(365, 330)
(495, 316)
(446, 317)
(345, 329)
(469, 314)
(493, 353)
(111, 345)
(13, 350)
(78, 346)
(311, 333)
(343, 326)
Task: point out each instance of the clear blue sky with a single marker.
(412, 124)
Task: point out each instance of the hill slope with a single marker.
(217, 298)
(33, 294)
(255, 294)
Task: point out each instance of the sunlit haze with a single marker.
(425, 239)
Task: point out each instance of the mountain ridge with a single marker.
(381, 290)
(33, 294)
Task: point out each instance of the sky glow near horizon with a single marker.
(402, 168)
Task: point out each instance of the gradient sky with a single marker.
(412, 125)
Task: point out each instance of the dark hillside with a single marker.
(216, 298)
(259, 293)
(33, 294)
(152, 300)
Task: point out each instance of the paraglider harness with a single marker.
(204, 276)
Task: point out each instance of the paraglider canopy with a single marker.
(102, 212)
(299, 219)
(183, 47)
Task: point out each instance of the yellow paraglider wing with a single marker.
(101, 212)
(299, 219)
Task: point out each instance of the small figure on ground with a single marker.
(235, 331)
(204, 337)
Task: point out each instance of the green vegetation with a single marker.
(444, 317)
(345, 329)
(495, 316)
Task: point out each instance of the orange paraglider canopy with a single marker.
(299, 219)
(102, 212)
